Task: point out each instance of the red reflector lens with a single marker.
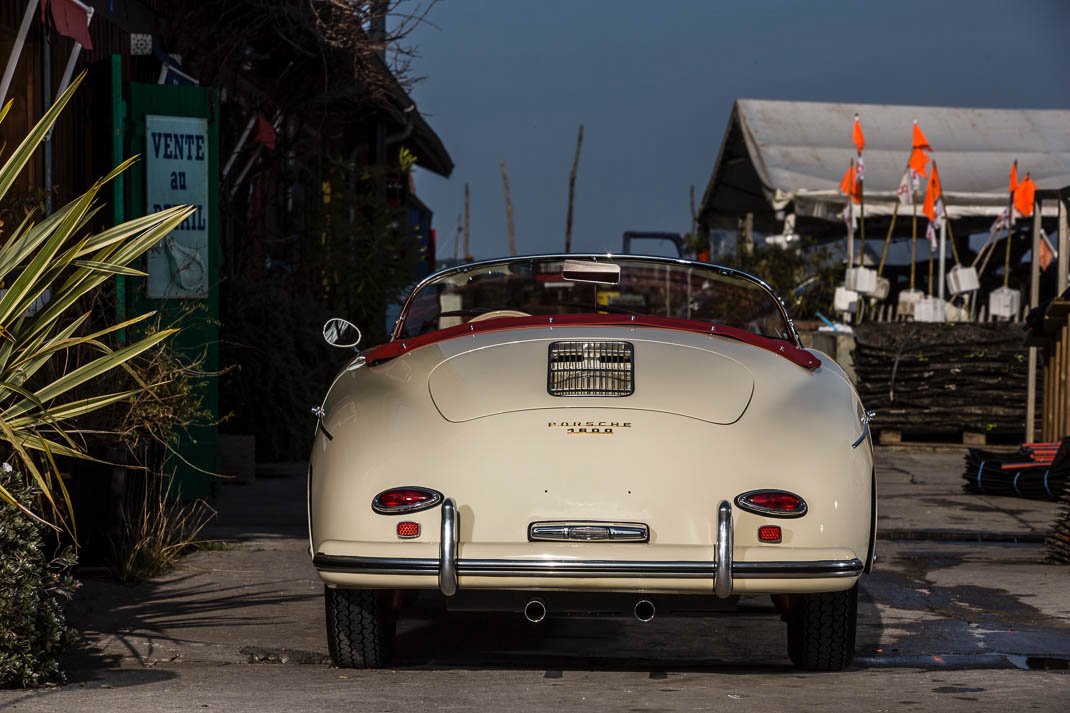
(769, 533)
(408, 529)
(402, 497)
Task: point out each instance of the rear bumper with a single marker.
(588, 569)
(448, 572)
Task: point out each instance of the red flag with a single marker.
(71, 20)
(1024, 196)
(849, 184)
(858, 137)
(932, 196)
(1014, 177)
(919, 141)
(265, 133)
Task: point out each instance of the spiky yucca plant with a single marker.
(48, 267)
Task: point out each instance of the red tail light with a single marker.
(408, 530)
(405, 499)
(773, 503)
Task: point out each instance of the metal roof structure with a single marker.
(780, 157)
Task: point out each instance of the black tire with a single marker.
(821, 630)
(360, 627)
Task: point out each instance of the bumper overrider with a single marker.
(448, 567)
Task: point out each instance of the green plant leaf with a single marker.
(87, 372)
(110, 268)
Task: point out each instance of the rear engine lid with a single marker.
(584, 373)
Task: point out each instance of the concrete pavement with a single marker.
(961, 614)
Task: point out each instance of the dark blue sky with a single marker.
(654, 82)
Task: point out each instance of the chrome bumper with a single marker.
(448, 567)
(589, 568)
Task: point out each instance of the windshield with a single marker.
(551, 286)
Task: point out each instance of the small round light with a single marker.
(397, 501)
(773, 503)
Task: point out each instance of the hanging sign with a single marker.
(176, 172)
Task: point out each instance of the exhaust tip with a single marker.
(644, 610)
(535, 610)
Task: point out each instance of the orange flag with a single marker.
(858, 137)
(1014, 177)
(849, 184)
(1024, 196)
(918, 161)
(932, 196)
(1045, 254)
(919, 141)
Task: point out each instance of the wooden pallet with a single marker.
(890, 437)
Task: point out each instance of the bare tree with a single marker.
(508, 209)
(348, 40)
(694, 215)
(572, 190)
(457, 242)
(467, 247)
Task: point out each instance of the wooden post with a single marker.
(1064, 248)
(1056, 386)
(1034, 300)
(1062, 404)
(1045, 428)
(746, 235)
(508, 209)
(572, 190)
(467, 248)
(1034, 272)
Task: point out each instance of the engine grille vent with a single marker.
(591, 369)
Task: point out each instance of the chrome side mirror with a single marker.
(341, 333)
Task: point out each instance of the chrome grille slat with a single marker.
(591, 369)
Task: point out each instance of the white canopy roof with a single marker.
(778, 153)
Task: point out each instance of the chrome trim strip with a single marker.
(589, 568)
(798, 570)
(376, 565)
(722, 581)
(586, 568)
(447, 549)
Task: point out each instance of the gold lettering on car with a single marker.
(589, 428)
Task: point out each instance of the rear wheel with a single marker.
(360, 627)
(821, 629)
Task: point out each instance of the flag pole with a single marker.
(930, 285)
(943, 263)
(1010, 231)
(861, 195)
(850, 229)
(913, 237)
(888, 238)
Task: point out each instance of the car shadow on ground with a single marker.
(751, 639)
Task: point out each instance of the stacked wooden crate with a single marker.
(1059, 538)
(943, 381)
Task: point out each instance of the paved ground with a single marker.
(960, 615)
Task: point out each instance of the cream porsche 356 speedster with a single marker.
(597, 433)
